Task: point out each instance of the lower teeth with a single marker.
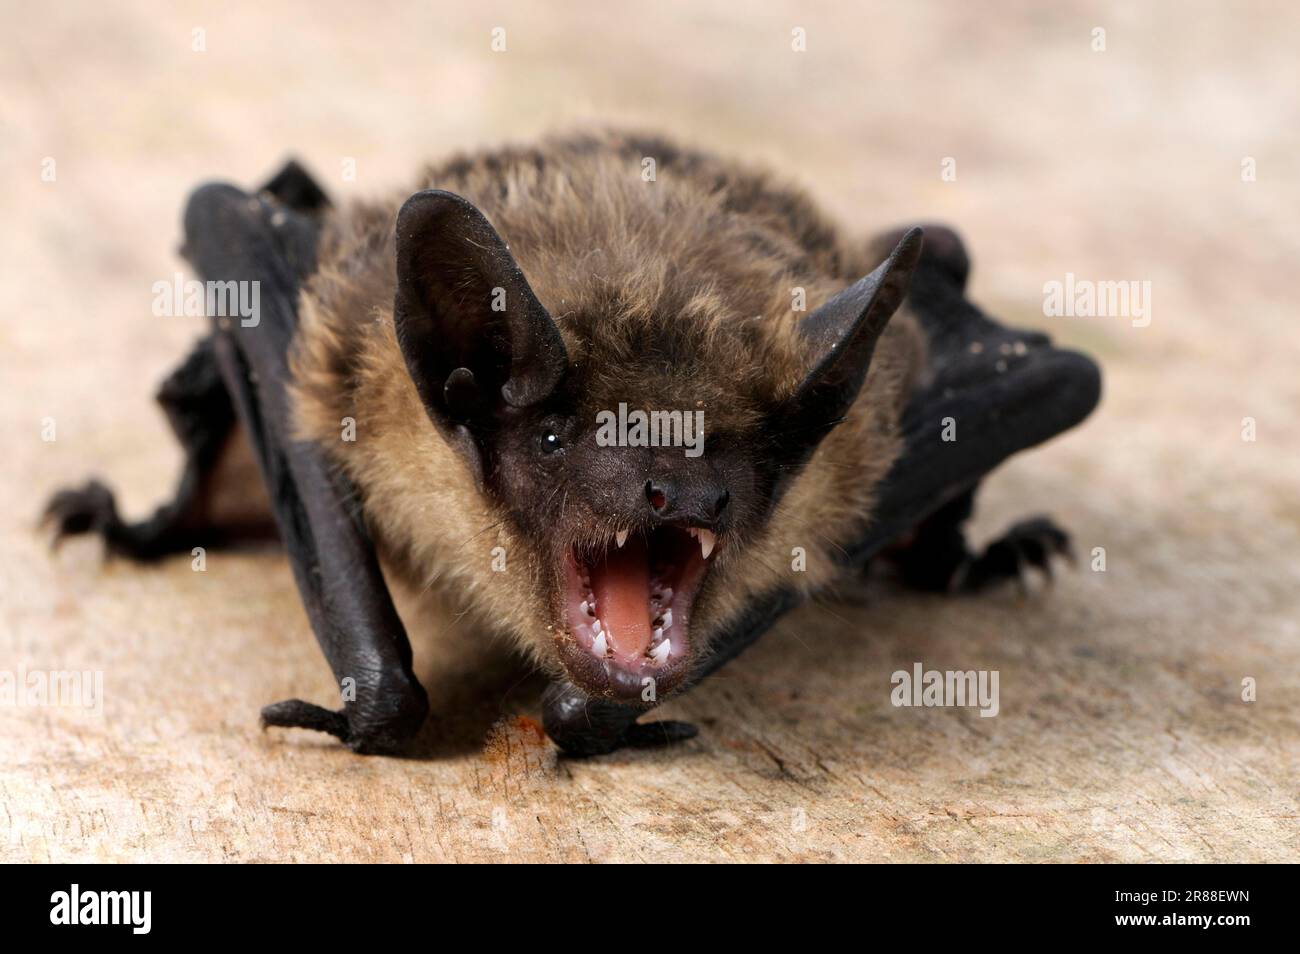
(662, 618)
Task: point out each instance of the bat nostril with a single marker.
(700, 503)
(656, 495)
(724, 498)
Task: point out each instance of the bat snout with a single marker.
(695, 502)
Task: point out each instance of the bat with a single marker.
(625, 420)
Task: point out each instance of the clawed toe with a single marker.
(75, 511)
(296, 714)
(1030, 543)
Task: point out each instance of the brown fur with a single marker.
(709, 252)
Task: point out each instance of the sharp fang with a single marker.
(659, 633)
(707, 540)
(660, 653)
(597, 628)
(620, 538)
(668, 619)
(600, 647)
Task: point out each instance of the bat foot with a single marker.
(90, 508)
(583, 727)
(1030, 543)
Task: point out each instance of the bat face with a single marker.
(627, 536)
(635, 453)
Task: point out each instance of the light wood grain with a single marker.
(1122, 734)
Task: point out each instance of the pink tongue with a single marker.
(621, 584)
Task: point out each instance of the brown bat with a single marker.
(622, 419)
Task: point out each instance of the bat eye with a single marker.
(552, 434)
(551, 441)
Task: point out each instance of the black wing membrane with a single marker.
(233, 236)
(1003, 390)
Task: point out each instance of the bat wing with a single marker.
(993, 392)
(231, 235)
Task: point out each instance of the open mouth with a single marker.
(628, 610)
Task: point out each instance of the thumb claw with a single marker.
(645, 735)
(582, 726)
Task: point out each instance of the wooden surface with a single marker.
(1122, 734)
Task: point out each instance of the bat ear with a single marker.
(843, 334)
(470, 328)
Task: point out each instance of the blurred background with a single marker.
(1162, 148)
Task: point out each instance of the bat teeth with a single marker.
(620, 538)
(600, 647)
(660, 652)
(707, 540)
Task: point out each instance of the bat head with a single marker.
(635, 449)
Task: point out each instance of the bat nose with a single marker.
(701, 502)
